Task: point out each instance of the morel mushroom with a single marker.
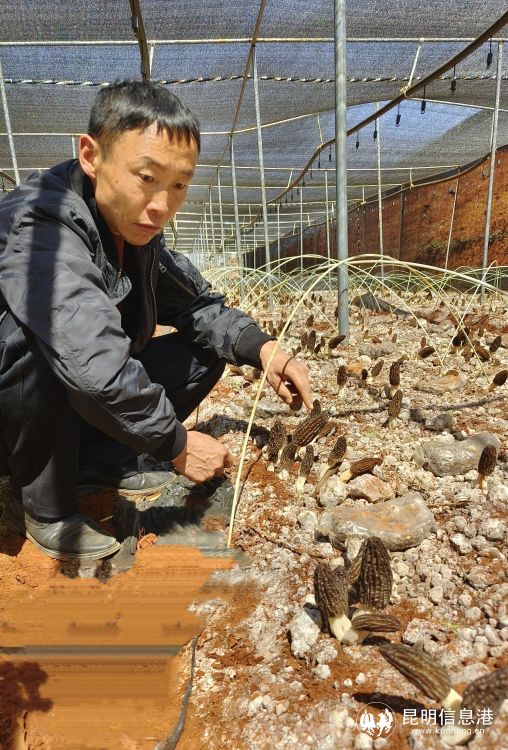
(481, 352)
(378, 622)
(487, 692)
(335, 341)
(341, 379)
(424, 672)
(311, 341)
(333, 462)
(459, 339)
(310, 320)
(394, 378)
(303, 339)
(363, 466)
(394, 408)
(494, 346)
(376, 369)
(498, 379)
(286, 460)
(305, 468)
(374, 585)
(316, 407)
(309, 429)
(276, 442)
(426, 351)
(487, 463)
(330, 588)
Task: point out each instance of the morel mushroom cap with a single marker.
(375, 580)
(310, 320)
(305, 468)
(500, 378)
(303, 339)
(330, 589)
(286, 460)
(487, 692)
(419, 668)
(355, 568)
(276, 440)
(338, 451)
(395, 373)
(342, 375)
(460, 338)
(316, 407)
(307, 461)
(395, 405)
(308, 429)
(376, 369)
(426, 351)
(377, 622)
(363, 466)
(311, 341)
(487, 462)
(494, 346)
(482, 352)
(335, 341)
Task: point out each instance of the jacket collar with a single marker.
(82, 185)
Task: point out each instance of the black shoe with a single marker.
(74, 538)
(143, 483)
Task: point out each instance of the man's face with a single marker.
(142, 182)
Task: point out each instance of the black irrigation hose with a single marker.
(174, 738)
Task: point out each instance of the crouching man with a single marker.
(84, 279)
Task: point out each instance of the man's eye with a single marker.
(181, 186)
(146, 178)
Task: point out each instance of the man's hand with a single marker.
(288, 377)
(202, 458)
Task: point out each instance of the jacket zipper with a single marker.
(152, 293)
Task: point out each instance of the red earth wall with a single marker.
(420, 232)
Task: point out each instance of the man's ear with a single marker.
(89, 155)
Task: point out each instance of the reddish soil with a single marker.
(96, 700)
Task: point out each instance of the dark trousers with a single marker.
(43, 440)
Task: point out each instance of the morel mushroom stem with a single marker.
(352, 636)
(339, 626)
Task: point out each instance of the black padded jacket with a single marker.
(59, 277)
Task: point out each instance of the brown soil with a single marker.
(86, 696)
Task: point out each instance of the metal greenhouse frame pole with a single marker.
(450, 232)
(301, 233)
(493, 147)
(327, 217)
(8, 124)
(220, 211)
(341, 162)
(262, 177)
(278, 237)
(379, 192)
(211, 217)
(238, 233)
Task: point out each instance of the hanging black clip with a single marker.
(453, 84)
(424, 103)
(490, 55)
(397, 119)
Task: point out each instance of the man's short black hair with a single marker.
(132, 105)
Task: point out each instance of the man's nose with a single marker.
(160, 202)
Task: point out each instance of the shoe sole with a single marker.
(151, 492)
(54, 554)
